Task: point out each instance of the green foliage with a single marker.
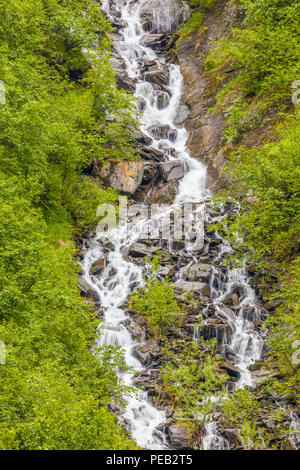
(157, 301)
(62, 110)
(54, 390)
(241, 119)
(284, 338)
(243, 411)
(265, 51)
(189, 381)
(265, 182)
(194, 22)
(191, 25)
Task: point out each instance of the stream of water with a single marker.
(120, 277)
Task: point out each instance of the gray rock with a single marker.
(227, 314)
(186, 286)
(179, 437)
(173, 169)
(106, 243)
(159, 42)
(198, 272)
(140, 250)
(163, 132)
(182, 115)
(232, 300)
(163, 194)
(98, 266)
(87, 290)
(146, 351)
(168, 271)
(135, 329)
(231, 370)
(158, 77)
(152, 154)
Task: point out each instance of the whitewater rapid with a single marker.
(120, 277)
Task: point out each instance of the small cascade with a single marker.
(212, 440)
(159, 106)
(295, 431)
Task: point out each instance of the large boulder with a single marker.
(146, 351)
(163, 194)
(125, 176)
(179, 437)
(87, 290)
(173, 169)
(198, 272)
(182, 115)
(140, 250)
(98, 266)
(186, 286)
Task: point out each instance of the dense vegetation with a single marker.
(156, 301)
(262, 54)
(60, 112)
(63, 110)
(265, 181)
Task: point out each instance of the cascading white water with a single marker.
(120, 277)
(246, 343)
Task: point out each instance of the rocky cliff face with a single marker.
(222, 296)
(205, 127)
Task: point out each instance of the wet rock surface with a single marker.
(173, 169)
(87, 290)
(218, 297)
(204, 126)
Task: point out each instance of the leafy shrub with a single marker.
(158, 303)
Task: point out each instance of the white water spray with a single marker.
(120, 277)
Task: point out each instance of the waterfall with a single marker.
(120, 276)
